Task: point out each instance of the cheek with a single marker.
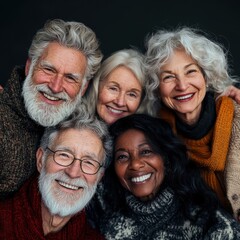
(72, 90)
(160, 177)
(133, 105)
(120, 170)
(203, 88)
(51, 167)
(165, 91)
(104, 97)
(91, 179)
(38, 78)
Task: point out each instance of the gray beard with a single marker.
(45, 114)
(62, 203)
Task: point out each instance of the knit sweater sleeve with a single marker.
(224, 227)
(232, 168)
(19, 138)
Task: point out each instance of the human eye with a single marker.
(133, 94)
(48, 70)
(89, 162)
(121, 157)
(113, 88)
(191, 71)
(146, 151)
(71, 78)
(90, 165)
(63, 158)
(165, 78)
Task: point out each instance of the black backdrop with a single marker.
(118, 24)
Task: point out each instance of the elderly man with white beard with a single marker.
(71, 161)
(62, 59)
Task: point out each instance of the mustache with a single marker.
(62, 177)
(44, 89)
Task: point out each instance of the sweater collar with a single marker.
(205, 122)
(162, 208)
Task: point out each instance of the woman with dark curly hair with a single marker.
(152, 191)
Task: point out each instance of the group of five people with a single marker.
(153, 188)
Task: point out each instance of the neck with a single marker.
(190, 118)
(52, 223)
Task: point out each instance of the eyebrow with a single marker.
(139, 146)
(185, 67)
(45, 63)
(132, 89)
(120, 149)
(84, 154)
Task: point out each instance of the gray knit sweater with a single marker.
(162, 219)
(19, 136)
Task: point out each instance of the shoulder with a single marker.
(224, 227)
(236, 125)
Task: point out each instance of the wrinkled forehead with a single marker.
(79, 141)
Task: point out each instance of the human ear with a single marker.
(27, 66)
(39, 156)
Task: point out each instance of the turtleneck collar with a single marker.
(160, 209)
(205, 122)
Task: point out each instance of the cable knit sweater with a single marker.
(232, 168)
(19, 136)
(162, 218)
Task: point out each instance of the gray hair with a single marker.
(81, 121)
(209, 55)
(69, 34)
(134, 61)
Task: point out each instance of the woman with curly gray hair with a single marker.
(187, 69)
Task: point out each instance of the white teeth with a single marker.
(114, 110)
(184, 97)
(50, 97)
(66, 185)
(141, 178)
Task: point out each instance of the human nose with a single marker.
(120, 99)
(181, 83)
(56, 83)
(74, 170)
(136, 163)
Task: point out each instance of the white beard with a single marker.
(62, 203)
(45, 114)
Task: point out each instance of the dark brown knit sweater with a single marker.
(19, 136)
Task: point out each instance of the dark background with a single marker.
(117, 24)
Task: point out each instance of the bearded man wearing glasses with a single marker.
(71, 161)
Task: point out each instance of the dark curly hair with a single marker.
(182, 175)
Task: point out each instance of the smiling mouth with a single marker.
(141, 178)
(68, 186)
(51, 97)
(115, 110)
(185, 97)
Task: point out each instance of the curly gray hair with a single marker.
(209, 55)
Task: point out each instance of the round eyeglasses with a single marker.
(65, 159)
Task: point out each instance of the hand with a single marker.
(232, 92)
(1, 88)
